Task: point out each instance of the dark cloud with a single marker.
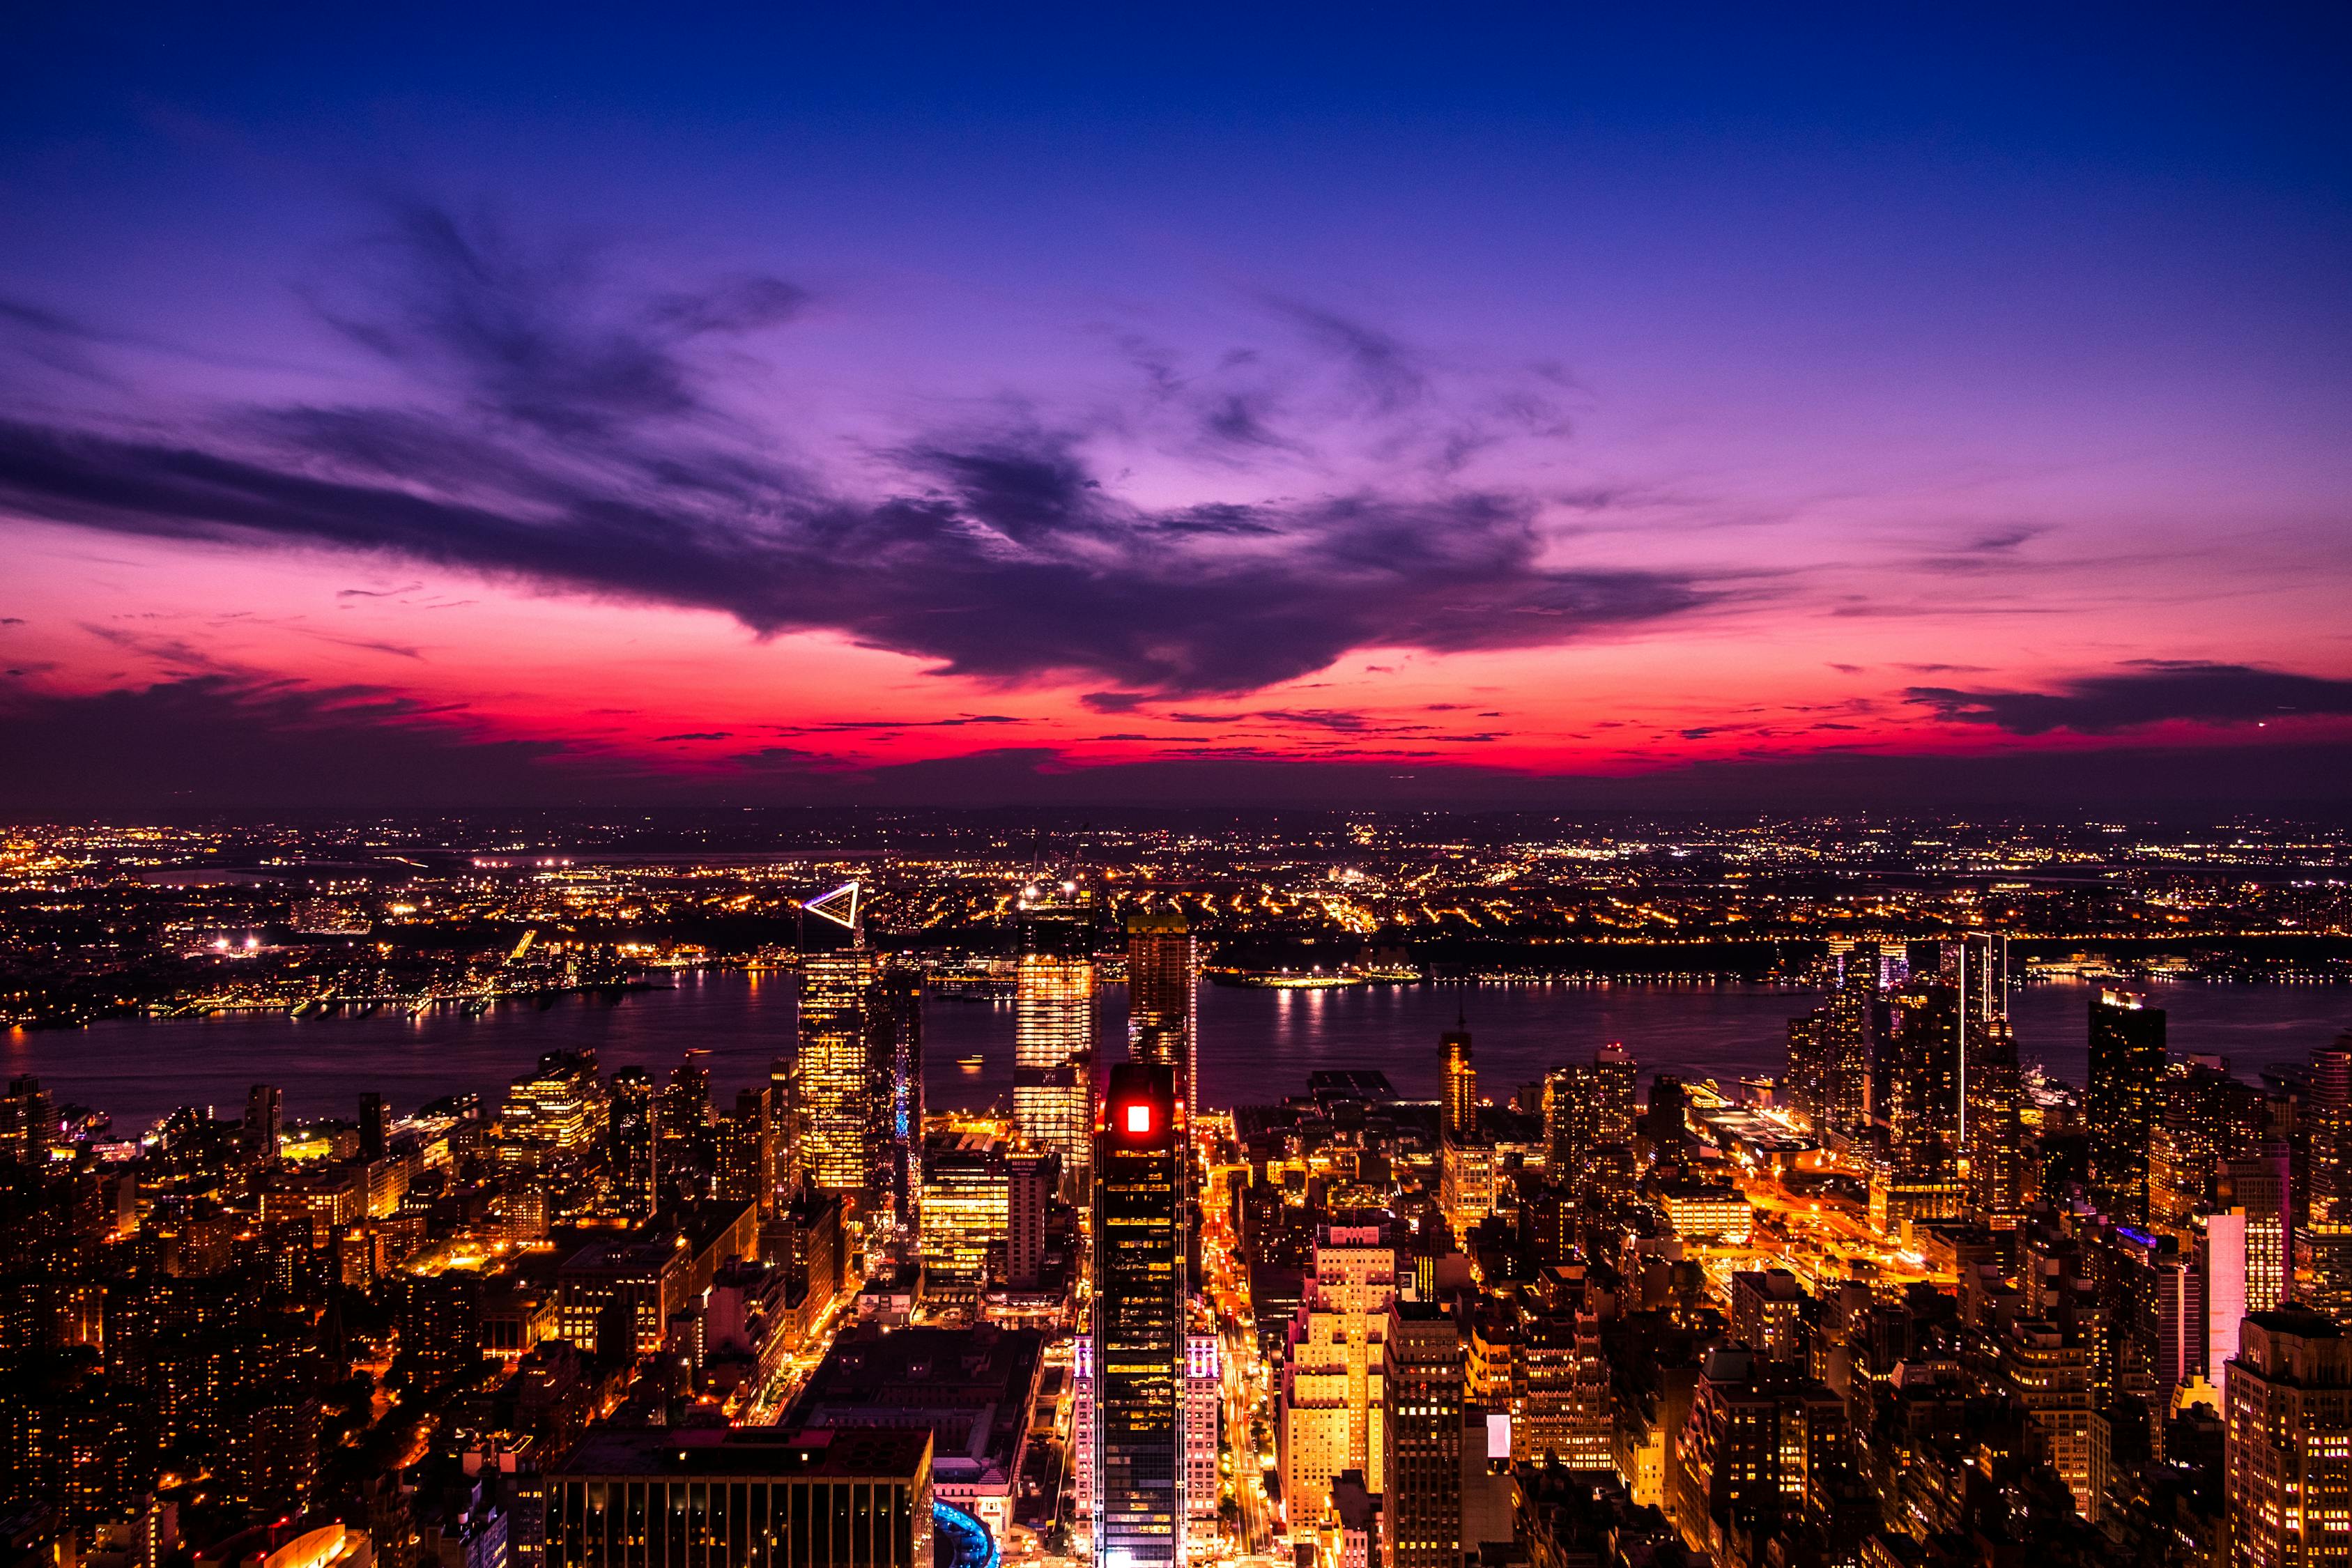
(1338, 719)
(697, 735)
(1013, 566)
(562, 438)
(228, 739)
(216, 741)
(1115, 701)
(2148, 691)
(848, 726)
(526, 336)
(373, 645)
(1987, 550)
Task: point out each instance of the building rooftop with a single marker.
(969, 1388)
(766, 1452)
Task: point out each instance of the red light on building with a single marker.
(1139, 1117)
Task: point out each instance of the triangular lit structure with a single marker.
(821, 907)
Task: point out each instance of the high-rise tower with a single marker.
(1461, 1112)
(899, 1171)
(857, 1105)
(1139, 1470)
(264, 1115)
(1162, 1015)
(1922, 1179)
(632, 1146)
(843, 1091)
(2287, 1465)
(1990, 1092)
(1996, 1134)
(1850, 1039)
(2331, 1132)
(2122, 1100)
(1423, 1434)
(1053, 1025)
(375, 1127)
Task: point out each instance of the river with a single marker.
(1256, 1046)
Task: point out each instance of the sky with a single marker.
(1675, 406)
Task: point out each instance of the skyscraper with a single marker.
(1138, 1333)
(28, 1120)
(1162, 1014)
(682, 1122)
(1923, 1112)
(2205, 1117)
(1614, 1072)
(1991, 1094)
(1053, 1025)
(375, 1127)
(1833, 1048)
(1422, 1415)
(2221, 1259)
(1996, 1135)
(2257, 1187)
(1032, 1179)
(899, 1171)
(746, 1149)
(264, 1114)
(2331, 1132)
(2120, 1104)
(1461, 1110)
(631, 1142)
(1329, 1412)
(2287, 1465)
(857, 1101)
(1851, 1039)
(839, 1093)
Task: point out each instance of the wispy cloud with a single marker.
(566, 435)
(2146, 691)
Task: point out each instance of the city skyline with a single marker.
(1566, 412)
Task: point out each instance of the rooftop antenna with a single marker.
(852, 921)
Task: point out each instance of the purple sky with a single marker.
(1196, 405)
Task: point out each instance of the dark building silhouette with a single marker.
(2121, 1100)
(633, 1146)
(1139, 1320)
(1162, 1016)
(744, 1497)
(1422, 1424)
(375, 1127)
(265, 1118)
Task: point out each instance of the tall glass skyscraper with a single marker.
(2122, 1100)
(1139, 1335)
(840, 1093)
(1054, 1026)
(900, 1172)
(1162, 1014)
(859, 1083)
